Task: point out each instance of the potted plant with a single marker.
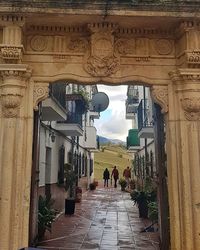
(46, 215)
(92, 186)
(122, 183)
(140, 198)
(70, 183)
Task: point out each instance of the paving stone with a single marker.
(105, 219)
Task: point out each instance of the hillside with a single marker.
(108, 157)
(104, 140)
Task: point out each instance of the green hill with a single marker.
(108, 157)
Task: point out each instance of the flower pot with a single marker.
(143, 209)
(69, 206)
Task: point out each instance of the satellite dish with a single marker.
(100, 102)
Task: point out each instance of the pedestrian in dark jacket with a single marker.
(106, 177)
(115, 175)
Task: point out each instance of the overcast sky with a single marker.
(112, 123)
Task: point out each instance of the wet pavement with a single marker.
(105, 219)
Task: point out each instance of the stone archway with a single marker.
(163, 52)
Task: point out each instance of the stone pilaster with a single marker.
(16, 126)
(183, 159)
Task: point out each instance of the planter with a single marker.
(143, 209)
(69, 206)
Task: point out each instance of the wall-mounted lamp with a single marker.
(52, 135)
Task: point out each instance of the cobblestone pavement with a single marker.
(105, 219)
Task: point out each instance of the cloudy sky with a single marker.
(112, 123)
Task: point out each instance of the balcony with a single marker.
(54, 107)
(94, 114)
(145, 125)
(91, 138)
(72, 126)
(133, 141)
(131, 110)
(81, 103)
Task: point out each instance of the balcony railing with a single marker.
(73, 118)
(144, 121)
(145, 124)
(57, 92)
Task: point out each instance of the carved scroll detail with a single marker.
(41, 92)
(160, 96)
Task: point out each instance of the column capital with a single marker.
(14, 81)
(187, 82)
(160, 95)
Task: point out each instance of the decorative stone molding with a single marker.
(101, 61)
(11, 91)
(40, 93)
(191, 108)
(160, 96)
(163, 46)
(187, 81)
(193, 58)
(11, 54)
(125, 46)
(78, 44)
(38, 43)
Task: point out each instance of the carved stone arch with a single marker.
(160, 95)
(40, 93)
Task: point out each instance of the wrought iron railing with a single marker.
(57, 91)
(74, 118)
(144, 121)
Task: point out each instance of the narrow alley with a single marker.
(105, 219)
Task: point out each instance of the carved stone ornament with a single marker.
(125, 46)
(191, 108)
(41, 92)
(38, 43)
(193, 58)
(163, 46)
(100, 61)
(78, 44)
(160, 96)
(11, 54)
(11, 92)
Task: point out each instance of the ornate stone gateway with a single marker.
(117, 44)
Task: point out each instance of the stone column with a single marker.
(16, 125)
(181, 105)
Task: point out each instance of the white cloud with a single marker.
(115, 126)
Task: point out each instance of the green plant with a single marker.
(153, 211)
(46, 215)
(122, 183)
(140, 198)
(70, 179)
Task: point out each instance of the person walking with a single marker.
(115, 175)
(127, 175)
(106, 177)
